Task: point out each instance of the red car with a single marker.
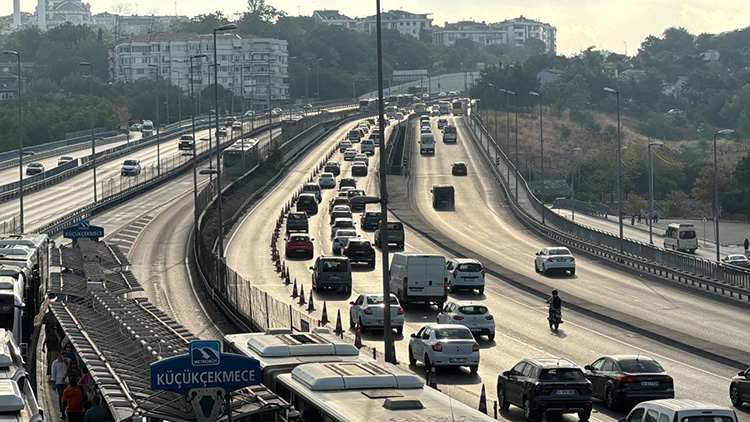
(299, 244)
(333, 167)
(459, 168)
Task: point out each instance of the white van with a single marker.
(681, 410)
(419, 278)
(681, 237)
(427, 143)
(147, 129)
(367, 147)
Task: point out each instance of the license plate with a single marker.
(650, 383)
(380, 321)
(458, 360)
(565, 392)
(416, 289)
(476, 330)
(335, 277)
(300, 250)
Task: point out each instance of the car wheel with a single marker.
(315, 286)
(428, 364)
(544, 270)
(609, 399)
(412, 359)
(352, 325)
(573, 271)
(528, 413)
(400, 330)
(474, 369)
(536, 267)
(491, 336)
(502, 403)
(734, 395)
(361, 326)
(584, 416)
(481, 290)
(451, 289)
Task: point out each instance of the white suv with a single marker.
(473, 315)
(465, 273)
(444, 345)
(682, 410)
(367, 310)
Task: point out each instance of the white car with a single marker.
(473, 315)
(131, 167)
(327, 181)
(344, 145)
(340, 211)
(250, 113)
(444, 345)
(341, 223)
(554, 258)
(342, 236)
(65, 159)
(367, 310)
(34, 168)
(399, 116)
(237, 125)
(361, 158)
(464, 273)
(349, 154)
(736, 260)
(314, 189)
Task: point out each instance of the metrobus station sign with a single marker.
(205, 367)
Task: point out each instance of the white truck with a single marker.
(147, 129)
(419, 278)
(427, 143)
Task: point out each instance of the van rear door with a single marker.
(426, 276)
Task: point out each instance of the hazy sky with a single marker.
(606, 24)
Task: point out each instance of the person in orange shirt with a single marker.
(73, 398)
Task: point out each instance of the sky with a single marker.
(615, 25)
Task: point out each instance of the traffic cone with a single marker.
(286, 276)
(483, 401)
(358, 338)
(432, 378)
(283, 268)
(287, 280)
(310, 304)
(302, 294)
(324, 316)
(544, 416)
(339, 329)
(294, 289)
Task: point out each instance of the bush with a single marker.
(676, 204)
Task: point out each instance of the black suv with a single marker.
(548, 385)
(360, 250)
(395, 234)
(308, 203)
(369, 220)
(297, 222)
(347, 181)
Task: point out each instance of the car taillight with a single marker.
(549, 259)
(400, 311)
(627, 380)
(458, 317)
(371, 251)
(489, 317)
(483, 272)
(667, 380)
(455, 273)
(438, 347)
(346, 250)
(368, 311)
(475, 348)
(572, 259)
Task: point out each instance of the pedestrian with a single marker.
(74, 398)
(639, 218)
(70, 353)
(57, 376)
(746, 244)
(73, 371)
(97, 413)
(632, 220)
(52, 347)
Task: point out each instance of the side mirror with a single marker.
(537, 254)
(312, 240)
(506, 373)
(413, 335)
(589, 368)
(741, 373)
(312, 268)
(351, 303)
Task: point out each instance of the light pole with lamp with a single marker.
(722, 132)
(195, 144)
(651, 188)
(508, 93)
(91, 100)
(270, 115)
(179, 100)
(541, 144)
(317, 80)
(573, 184)
(619, 162)
(158, 130)
(20, 136)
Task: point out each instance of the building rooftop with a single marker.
(330, 15)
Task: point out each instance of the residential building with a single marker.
(631, 73)
(333, 17)
(124, 26)
(248, 65)
(674, 89)
(404, 22)
(9, 86)
(509, 32)
(478, 32)
(520, 29)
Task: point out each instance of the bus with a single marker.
(420, 107)
(292, 126)
(368, 105)
(458, 108)
(444, 107)
(241, 156)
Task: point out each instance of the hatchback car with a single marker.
(464, 274)
(739, 389)
(332, 272)
(34, 168)
(349, 154)
(367, 310)
(554, 258)
(444, 345)
(473, 315)
(307, 202)
(395, 234)
(347, 182)
(327, 181)
(459, 169)
(131, 167)
(65, 159)
(359, 249)
(340, 238)
(341, 223)
(337, 200)
(314, 189)
(736, 260)
(628, 378)
(344, 145)
(340, 211)
(332, 167)
(299, 244)
(362, 158)
(442, 123)
(369, 220)
(547, 385)
(359, 169)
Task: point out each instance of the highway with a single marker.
(483, 223)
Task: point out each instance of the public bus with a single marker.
(458, 108)
(241, 156)
(368, 105)
(292, 126)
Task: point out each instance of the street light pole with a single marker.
(722, 132)
(93, 140)
(20, 137)
(158, 130)
(508, 93)
(651, 188)
(516, 153)
(270, 115)
(195, 145)
(541, 143)
(619, 163)
(573, 184)
(179, 100)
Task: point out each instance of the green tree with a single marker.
(703, 190)
(676, 204)
(633, 204)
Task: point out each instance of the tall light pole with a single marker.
(225, 27)
(651, 188)
(619, 162)
(179, 100)
(20, 136)
(722, 132)
(195, 144)
(270, 115)
(573, 183)
(541, 144)
(508, 93)
(317, 79)
(158, 130)
(91, 100)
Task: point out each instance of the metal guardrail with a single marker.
(111, 137)
(676, 265)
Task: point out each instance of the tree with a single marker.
(634, 204)
(676, 204)
(703, 190)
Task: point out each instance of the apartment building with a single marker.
(513, 31)
(404, 22)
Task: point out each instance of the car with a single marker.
(473, 315)
(367, 147)
(337, 200)
(360, 250)
(682, 410)
(332, 272)
(628, 378)
(136, 127)
(356, 207)
(341, 223)
(327, 181)
(399, 116)
(555, 258)
(65, 159)
(347, 182)
(465, 273)
(314, 189)
(34, 168)
(297, 222)
(736, 260)
(442, 94)
(307, 107)
(344, 145)
(349, 154)
(359, 169)
(442, 122)
(369, 220)
(229, 121)
(344, 192)
(545, 385)
(276, 111)
(443, 196)
(364, 127)
(367, 311)
(395, 234)
(444, 345)
(339, 240)
(332, 167)
(355, 135)
(185, 142)
(299, 244)
(250, 114)
(340, 211)
(675, 111)
(222, 131)
(308, 203)
(130, 167)
(459, 168)
(739, 388)
(237, 125)
(361, 158)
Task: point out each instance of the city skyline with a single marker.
(618, 26)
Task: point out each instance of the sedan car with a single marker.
(332, 167)
(736, 260)
(340, 211)
(367, 310)
(739, 389)
(360, 250)
(344, 145)
(464, 274)
(341, 223)
(237, 125)
(299, 244)
(327, 181)
(554, 258)
(34, 168)
(342, 236)
(347, 182)
(369, 220)
(444, 345)
(222, 131)
(307, 202)
(131, 167)
(349, 154)
(359, 169)
(65, 159)
(473, 315)
(363, 158)
(459, 169)
(337, 200)
(628, 378)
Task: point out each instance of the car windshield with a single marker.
(377, 300)
(360, 245)
(738, 258)
(641, 365)
(343, 223)
(35, 165)
(469, 267)
(346, 233)
(562, 375)
(130, 162)
(707, 419)
(561, 251)
(687, 234)
(311, 188)
(293, 216)
(453, 333)
(395, 226)
(372, 215)
(299, 239)
(333, 266)
(473, 310)
(303, 199)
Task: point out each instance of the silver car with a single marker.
(444, 345)
(340, 238)
(554, 258)
(473, 315)
(367, 310)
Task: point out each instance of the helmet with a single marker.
(554, 293)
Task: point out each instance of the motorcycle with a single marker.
(554, 317)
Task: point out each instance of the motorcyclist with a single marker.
(555, 303)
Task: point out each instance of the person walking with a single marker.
(73, 371)
(97, 413)
(57, 376)
(74, 398)
(746, 244)
(52, 347)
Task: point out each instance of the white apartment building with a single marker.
(248, 65)
(513, 31)
(404, 22)
(122, 25)
(333, 17)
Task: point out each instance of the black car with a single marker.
(356, 207)
(307, 202)
(347, 181)
(333, 167)
(395, 234)
(632, 378)
(739, 389)
(360, 250)
(369, 220)
(297, 222)
(548, 385)
(359, 170)
(443, 196)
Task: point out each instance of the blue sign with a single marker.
(205, 367)
(83, 229)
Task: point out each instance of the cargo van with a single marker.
(681, 237)
(427, 143)
(419, 278)
(147, 129)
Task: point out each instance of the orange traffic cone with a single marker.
(358, 338)
(544, 416)
(283, 268)
(483, 401)
(302, 295)
(324, 316)
(432, 378)
(339, 328)
(294, 289)
(310, 305)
